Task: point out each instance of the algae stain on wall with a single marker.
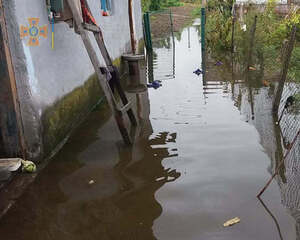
(65, 114)
(59, 120)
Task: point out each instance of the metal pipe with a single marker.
(132, 34)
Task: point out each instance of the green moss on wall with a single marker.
(59, 119)
(64, 115)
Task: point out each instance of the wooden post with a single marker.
(284, 70)
(10, 114)
(251, 45)
(131, 26)
(232, 32)
(173, 42)
(203, 27)
(147, 29)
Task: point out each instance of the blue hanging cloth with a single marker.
(103, 5)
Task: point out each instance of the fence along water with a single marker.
(159, 34)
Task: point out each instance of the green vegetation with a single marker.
(271, 31)
(154, 5)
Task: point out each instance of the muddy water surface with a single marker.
(200, 157)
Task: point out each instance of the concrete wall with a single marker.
(54, 84)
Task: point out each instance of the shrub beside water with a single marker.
(154, 5)
(271, 31)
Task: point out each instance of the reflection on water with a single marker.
(120, 204)
(161, 61)
(199, 159)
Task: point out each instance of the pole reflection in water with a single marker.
(272, 216)
(161, 66)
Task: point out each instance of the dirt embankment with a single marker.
(161, 24)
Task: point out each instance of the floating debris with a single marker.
(171, 178)
(160, 179)
(155, 84)
(218, 63)
(91, 182)
(28, 166)
(231, 222)
(198, 72)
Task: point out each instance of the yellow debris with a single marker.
(231, 222)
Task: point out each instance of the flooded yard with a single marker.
(203, 152)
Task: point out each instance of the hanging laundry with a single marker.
(87, 16)
(106, 7)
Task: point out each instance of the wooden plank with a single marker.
(125, 108)
(91, 27)
(116, 77)
(103, 49)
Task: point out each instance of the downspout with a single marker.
(12, 81)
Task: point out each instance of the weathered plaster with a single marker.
(29, 107)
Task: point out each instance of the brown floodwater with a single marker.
(202, 153)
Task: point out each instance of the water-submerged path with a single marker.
(196, 163)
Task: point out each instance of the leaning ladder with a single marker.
(104, 74)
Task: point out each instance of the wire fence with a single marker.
(161, 66)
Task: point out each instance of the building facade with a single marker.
(50, 86)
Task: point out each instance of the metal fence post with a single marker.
(203, 20)
(147, 31)
(203, 28)
(285, 66)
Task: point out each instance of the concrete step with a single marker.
(8, 165)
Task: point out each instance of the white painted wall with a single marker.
(54, 73)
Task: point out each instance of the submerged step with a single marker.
(8, 165)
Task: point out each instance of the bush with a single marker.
(154, 5)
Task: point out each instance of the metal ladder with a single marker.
(104, 74)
